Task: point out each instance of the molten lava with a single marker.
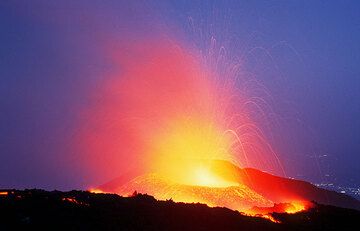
(212, 182)
(4, 193)
(94, 190)
(169, 116)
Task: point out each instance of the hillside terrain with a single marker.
(83, 210)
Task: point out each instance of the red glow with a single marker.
(94, 190)
(164, 104)
(166, 113)
(74, 201)
(230, 190)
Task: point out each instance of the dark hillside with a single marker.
(80, 210)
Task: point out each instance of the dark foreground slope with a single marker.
(79, 210)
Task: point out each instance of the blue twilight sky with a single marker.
(307, 53)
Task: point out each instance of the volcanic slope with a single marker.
(253, 188)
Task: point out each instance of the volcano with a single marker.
(223, 184)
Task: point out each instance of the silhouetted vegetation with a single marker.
(81, 210)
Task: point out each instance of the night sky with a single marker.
(55, 54)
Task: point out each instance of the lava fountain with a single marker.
(166, 119)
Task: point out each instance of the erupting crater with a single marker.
(213, 182)
(178, 124)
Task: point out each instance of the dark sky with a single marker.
(52, 56)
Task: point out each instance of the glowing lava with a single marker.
(4, 193)
(238, 197)
(94, 190)
(212, 182)
(169, 117)
(203, 177)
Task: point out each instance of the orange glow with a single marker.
(183, 153)
(191, 138)
(4, 193)
(74, 201)
(168, 116)
(266, 216)
(234, 197)
(289, 207)
(163, 104)
(196, 180)
(298, 206)
(203, 177)
(70, 199)
(215, 183)
(269, 217)
(94, 190)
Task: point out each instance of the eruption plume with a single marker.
(164, 119)
(166, 104)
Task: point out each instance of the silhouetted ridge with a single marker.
(79, 210)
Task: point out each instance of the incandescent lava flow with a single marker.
(212, 182)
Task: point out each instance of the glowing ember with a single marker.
(70, 199)
(4, 193)
(298, 206)
(291, 207)
(94, 190)
(74, 201)
(269, 217)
